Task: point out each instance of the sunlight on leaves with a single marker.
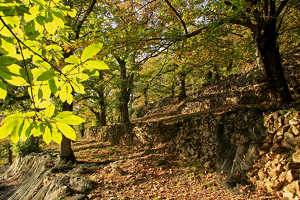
(66, 130)
(90, 51)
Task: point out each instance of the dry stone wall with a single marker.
(228, 141)
(278, 163)
(216, 140)
(243, 145)
(137, 134)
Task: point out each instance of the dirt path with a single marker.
(154, 174)
(117, 172)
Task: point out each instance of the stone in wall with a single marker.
(138, 134)
(228, 141)
(278, 168)
(243, 144)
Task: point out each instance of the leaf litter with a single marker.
(135, 173)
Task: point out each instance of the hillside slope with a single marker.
(246, 89)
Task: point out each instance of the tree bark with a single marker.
(66, 152)
(102, 114)
(82, 129)
(173, 86)
(182, 94)
(229, 68)
(271, 61)
(145, 93)
(216, 74)
(10, 157)
(126, 86)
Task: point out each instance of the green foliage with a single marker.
(4, 146)
(34, 32)
(23, 148)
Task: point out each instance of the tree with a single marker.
(265, 19)
(28, 33)
(98, 89)
(265, 30)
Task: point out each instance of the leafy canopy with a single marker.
(35, 31)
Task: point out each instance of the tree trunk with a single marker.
(125, 92)
(102, 114)
(82, 129)
(124, 117)
(66, 152)
(229, 68)
(216, 74)
(182, 94)
(173, 86)
(271, 61)
(146, 101)
(10, 158)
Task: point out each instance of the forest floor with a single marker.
(153, 174)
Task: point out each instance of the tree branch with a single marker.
(194, 33)
(280, 7)
(265, 8)
(271, 8)
(246, 23)
(179, 17)
(89, 10)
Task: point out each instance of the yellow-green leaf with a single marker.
(12, 117)
(58, 22)
(16, 124)
(30, 114)
(73, 59)
(14, 69)
(53, 85)
(26, 125)
(90, 51)
(9, 48)
(42, 64)
(13, 20)
(34, 11)
(5, 130)
(78, 88)
(72, 120)
(50, 111)
(46, 92)
(72, 13)
(40, 2)
(97, 64)
(15, 75)
(17, 81)
(63, 114)
(27, 74)
(36, 72)
(69, 98)
(46, 75)
(63, 93)
(32, 129)
(47, 135)
(40, 130)
(66, 130)
(56, 135)
(44, 104)
(68, 68)
(50, 28)
(53, 47)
